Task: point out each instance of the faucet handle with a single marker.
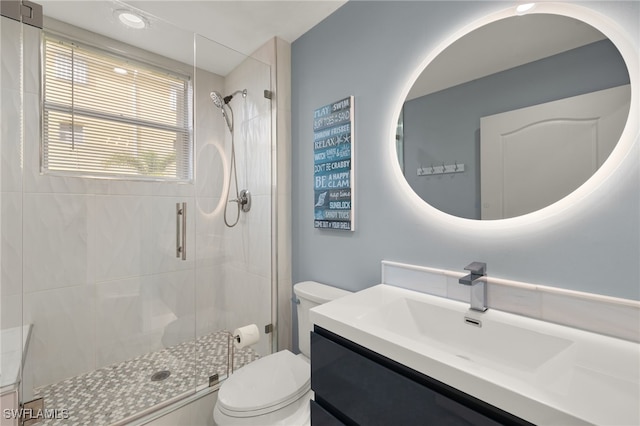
(477, 268)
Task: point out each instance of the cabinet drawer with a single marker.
(362, 387)
(321, 417)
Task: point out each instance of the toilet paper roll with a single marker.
(245, 336)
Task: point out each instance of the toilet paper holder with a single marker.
(231, 353)
(231, 361)
(240, 338)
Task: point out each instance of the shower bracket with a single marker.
(31, 412)
(214, 379)
(23, 11)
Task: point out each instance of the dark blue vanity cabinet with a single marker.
(356, 386)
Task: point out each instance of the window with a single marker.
(106, 115)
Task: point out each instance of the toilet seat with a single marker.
(265, 385)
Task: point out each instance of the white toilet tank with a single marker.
(309, 295)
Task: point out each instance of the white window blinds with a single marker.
(109, 116)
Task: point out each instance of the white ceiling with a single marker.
(235, 25)
(237, 28)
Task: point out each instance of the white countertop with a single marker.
(13, 349)
(588, 379)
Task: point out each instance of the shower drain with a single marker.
(160, 375)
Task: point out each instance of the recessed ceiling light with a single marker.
(131, 19)
(524, 8)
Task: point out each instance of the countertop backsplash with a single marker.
(587, 311)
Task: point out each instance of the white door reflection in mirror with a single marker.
(532, 157)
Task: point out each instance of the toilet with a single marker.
(276, 389)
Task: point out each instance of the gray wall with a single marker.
(369, 50)
(445, 126)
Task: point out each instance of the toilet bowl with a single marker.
(276, 389)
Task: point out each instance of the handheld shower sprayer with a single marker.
(217, 99)
(243, 198)
(219, 102)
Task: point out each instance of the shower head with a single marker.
(220, 102)
(217, 98)
(228, 98)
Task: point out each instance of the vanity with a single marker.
(388, 355)
(414, 352)
(360, 386)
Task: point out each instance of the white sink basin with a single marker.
(543, 372)
(470, 336)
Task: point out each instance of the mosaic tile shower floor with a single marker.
(118, 391)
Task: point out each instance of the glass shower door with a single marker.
(13, 336)
(110, 301)
(233, 274)
(118, 323)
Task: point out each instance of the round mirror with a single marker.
(513, 116)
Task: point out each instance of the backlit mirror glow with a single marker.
(524, 8)
(513, 116)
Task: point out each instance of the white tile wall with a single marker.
(211, 168)
(259, 237)
(124, 236)
(592, 312)
(255, 133)
(255, 76)
(247, 300)
(10, 42)
(128, 333)
(63, 336)
(31, 58)
(143, 313)
(211, 157)
(11, 138)
(211, 310)
(56, 241)
(614, 317)
(11, 232)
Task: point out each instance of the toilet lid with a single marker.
(265, 385)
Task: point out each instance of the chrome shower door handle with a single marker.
(178, 230)
(181, 230)
(184, 231)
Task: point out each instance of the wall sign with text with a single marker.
(333, 165)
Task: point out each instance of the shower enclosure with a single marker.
(101, 314)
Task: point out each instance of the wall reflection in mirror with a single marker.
(528, 106)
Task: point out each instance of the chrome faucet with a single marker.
(478, 285)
